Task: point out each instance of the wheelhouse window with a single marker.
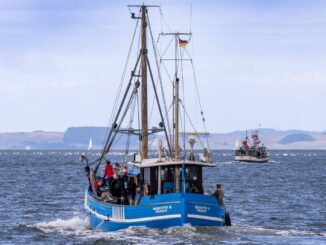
(172, 179)
(167, 179)
(149, 184)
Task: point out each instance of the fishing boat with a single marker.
(254, 152)
(164, 184)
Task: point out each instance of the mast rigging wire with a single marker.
(155, 49)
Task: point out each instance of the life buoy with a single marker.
(193, 189)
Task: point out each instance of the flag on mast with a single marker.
(182, 43)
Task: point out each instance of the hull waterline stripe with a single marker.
(196, 216)
(100, 216)
(162, 217)
(103, 217)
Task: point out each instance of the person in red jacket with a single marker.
(97, 182)
(108, 171)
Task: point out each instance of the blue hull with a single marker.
(161, 211)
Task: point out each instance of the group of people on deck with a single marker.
(115, 185)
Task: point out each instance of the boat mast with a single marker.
(144, 119)
(176, 93)
(176, 119)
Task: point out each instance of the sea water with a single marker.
(279, 202)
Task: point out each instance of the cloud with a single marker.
(32, 61)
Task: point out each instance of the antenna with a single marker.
(190, 17)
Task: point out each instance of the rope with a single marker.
(183, 99)
(198, 96)
(193, 127)
(121, 82)
(132, 111)
(155, 49)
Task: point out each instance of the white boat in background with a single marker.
(254, 153)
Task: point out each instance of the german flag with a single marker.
(182, 43)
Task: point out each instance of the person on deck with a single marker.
(97, 183)
(116, 170)
(125, 170)
(219, 194)
(102, 192)
(168, 176)
(108, 172)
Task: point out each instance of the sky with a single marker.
(257, 62)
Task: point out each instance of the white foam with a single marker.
(289, 232)
(187, 230)
(227, 162)
(76, 226)
(273, 161)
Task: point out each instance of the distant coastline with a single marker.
(77, 138)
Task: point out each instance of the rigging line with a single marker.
(165, 20)
(138, 114)
(131, 119)
(200, 104)
(158, 105)
(168, 46)
(182, 123)
(196, 133)
(152, 108)
(124, 69)
(155, 135)
(155, 50)
(166, 70)
(152, 142)
(190, 17)
(117, 140)
(117, 116)
(121, 120)
(132, 111)
(184, 99)
(121, 81)
(161, 19)
(162, 55)
(119, 110)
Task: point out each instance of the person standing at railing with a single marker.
(219, 194)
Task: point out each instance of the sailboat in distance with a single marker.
(90, 145)
(162, 187)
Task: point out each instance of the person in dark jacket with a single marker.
(219, 194)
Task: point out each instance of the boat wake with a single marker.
(276, 232)
(74, 225)
(225, 162)
(79, 228)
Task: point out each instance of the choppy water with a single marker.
(280, 202)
